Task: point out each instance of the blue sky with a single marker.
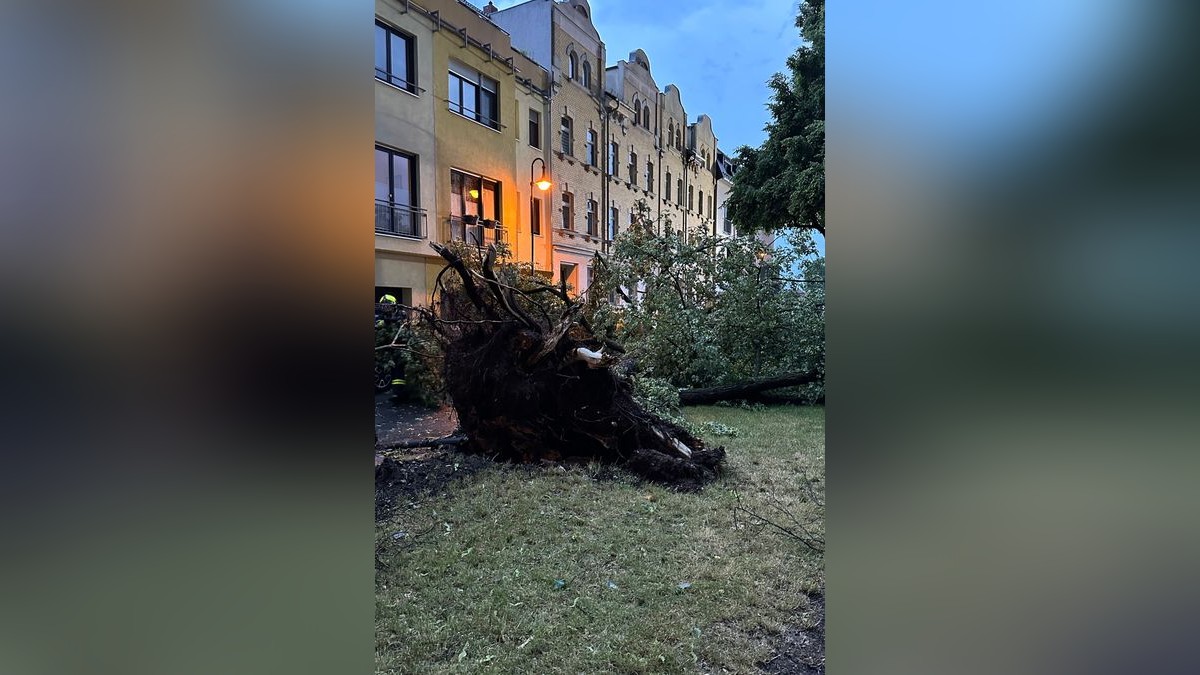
(719, 54)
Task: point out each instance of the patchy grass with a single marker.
(540, 570)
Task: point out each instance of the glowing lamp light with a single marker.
(543, 183)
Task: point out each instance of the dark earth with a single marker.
(801, 651)
(406, 474)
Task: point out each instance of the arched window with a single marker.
(572, 66)
(587, 74)
(679, 139)
(637, 113)
(670, 131)
(646, 116)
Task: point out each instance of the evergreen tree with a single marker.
(781, 184)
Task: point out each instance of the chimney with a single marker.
(490, 9)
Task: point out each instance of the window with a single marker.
(689, 198)
(590, 147)
(396, 193)
(567, 131)
(679, 191)
(474, 208)
(614, 217)
(587, 74)
(535, 215)
(637, 113)
(701, 211)
(566, 273)
(535, 128)
(670, 131)
(474, 96)
(614, 151)
(572, 67)
(395, 62)
(646, 116)
(591, 275)
(568, 211)
(592, 215)
(633, 167)
(650, 176)
(667, 187)
(712, 202)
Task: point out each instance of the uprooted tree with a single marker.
(531, 380)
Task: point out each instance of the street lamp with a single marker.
(542, 183)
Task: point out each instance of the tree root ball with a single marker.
(530, 381)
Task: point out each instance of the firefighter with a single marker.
(388, 301)
(388, 304)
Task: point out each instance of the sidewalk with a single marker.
(408, 422)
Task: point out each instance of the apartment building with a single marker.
(635, 131)
(475, 105)
(701, 157)
(405, 152)
(560, 37)
(723, 170)
(532, 239)
(452, 130)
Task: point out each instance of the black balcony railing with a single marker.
(399, 219)
(477, 231)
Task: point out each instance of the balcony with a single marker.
(399, 220)
(477, 231)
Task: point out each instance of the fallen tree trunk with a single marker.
(707, 395)
(455, 439)
(530, 381)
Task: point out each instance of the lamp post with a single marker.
(542, 183)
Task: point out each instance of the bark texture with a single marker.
(707, 395)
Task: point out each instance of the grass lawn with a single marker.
(541, 570)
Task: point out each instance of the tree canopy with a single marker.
(781, 184)
(699, 310)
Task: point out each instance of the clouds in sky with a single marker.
(719, 54)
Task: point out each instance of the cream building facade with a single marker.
(473, 103)
(635, 127)
(560, 37)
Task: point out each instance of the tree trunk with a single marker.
(707, 395)
(530, 381)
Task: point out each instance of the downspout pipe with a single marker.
(605, 194)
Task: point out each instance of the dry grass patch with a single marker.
(544, 570)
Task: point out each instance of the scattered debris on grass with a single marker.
(800, 650)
